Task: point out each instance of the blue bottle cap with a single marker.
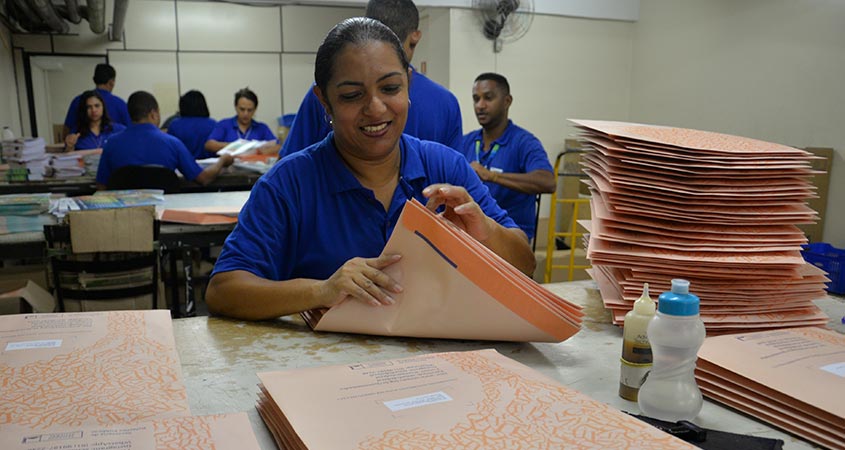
(678, 302)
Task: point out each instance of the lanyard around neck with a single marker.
(492, 154)
(246, 134)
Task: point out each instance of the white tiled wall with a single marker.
(217, 26)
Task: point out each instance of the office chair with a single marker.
(149, 176)
(103, 280)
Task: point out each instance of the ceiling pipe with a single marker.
(44, 10)
(120, 7)
(25, 16)
(97, 15)
(71, 11)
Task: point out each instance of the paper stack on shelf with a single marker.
(477, 294)
(29, 154)
(715, 209)
(793, 379)
(21, 213)
(73, 164)
(458, 400)
(120, 199)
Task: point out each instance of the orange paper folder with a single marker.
(459, 400)
(454, 288)
(792, 378)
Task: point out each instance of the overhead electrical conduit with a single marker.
(44, 10)
(71, 11)
(120, 7)
(97, 15)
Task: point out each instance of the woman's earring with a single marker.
(409, 103)
(328, 119)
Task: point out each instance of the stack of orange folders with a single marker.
(793, 379)
(101, 380)
(454, 288)
(202, 215)
(718, 210)
(460, 400)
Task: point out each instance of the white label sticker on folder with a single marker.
(49, 343)
(416, 401)
(837, 369)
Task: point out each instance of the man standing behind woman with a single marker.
(93, 126)
(242, 126)
(104, 80)
(434, 114)
(193, 126)
(507, 158)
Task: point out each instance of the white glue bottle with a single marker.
(676, 333)
(636, 351)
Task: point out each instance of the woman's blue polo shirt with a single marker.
(142, 144)
(193, 132)
(92, 140)
(227, 130)
(519, 152)
(309, 214)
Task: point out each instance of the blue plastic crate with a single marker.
(831, 260)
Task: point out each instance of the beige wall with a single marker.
(767, 69)
(562, 68)
(9, 111)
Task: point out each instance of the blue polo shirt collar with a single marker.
(411, 168)
(141, 126)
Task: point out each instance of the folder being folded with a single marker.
(454, 288)
(459, 400)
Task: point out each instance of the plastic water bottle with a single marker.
(676, 333)
(8, 135)
(636, 350)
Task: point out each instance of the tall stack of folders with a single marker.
(26, 159)
(718, 210)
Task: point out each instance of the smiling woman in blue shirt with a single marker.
(93, 126)
(311, 233)
(242, 126)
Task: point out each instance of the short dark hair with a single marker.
(83, 124)
(103, 73)
(247, 94)
(141, 104)
(357, 31)
(401, 16)
(193, 104)
(499, 79)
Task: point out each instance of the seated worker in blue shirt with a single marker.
(144, 144)
(93, 126)
(243, 127)
(510, 160)
(434, 114)
(312, 230)
(104, 79)
(193, 125)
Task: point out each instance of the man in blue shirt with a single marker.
(104, 78)
(509, 159)
(434, 114)
(242, 126)
(144, 144)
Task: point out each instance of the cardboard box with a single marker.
(815, 232)
(24, 296)
(112, 230)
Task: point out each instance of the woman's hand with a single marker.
(461, 209)
(362, 279)
(70, 141)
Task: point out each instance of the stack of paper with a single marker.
(101, 380)
(793, 379)
(67, 165)
(459, 400)
(21, 213)
(28, 153)
(242, 147)
(202, 215)
(454, 288)
(715, 209)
